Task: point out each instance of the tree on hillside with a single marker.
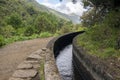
(15, 20)
(31, 10)
(43, 23)
(100, 8)
(101, 3)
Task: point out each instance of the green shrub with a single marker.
(41, 71)
(20, 31)
(78, 27)
(29, 31)
(14, 20)
(2, 41)
(65, 29)
(113, 19)
(45, 34)
(7, 31)
(108, 52)
(33, 36)
(56, 34)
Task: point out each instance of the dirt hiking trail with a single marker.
(13, 54)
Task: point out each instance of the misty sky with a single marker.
(66, 6)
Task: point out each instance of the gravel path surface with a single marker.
(13, 54)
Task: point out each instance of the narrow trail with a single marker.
(13, 54)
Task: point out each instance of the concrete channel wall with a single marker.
(64, 40)
(88, 67)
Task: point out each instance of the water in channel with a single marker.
(64, 63)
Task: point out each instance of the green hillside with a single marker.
(74, 18)
(26, 19)
(102, 38)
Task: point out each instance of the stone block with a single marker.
(34, 57)
(19, 78)
(16, 79)
(44, 49)
(25, 66)
(38, 52)
(36, 66)
(25, 73)
(32, 61)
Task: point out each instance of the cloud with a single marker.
(45, 0)
(66, 7)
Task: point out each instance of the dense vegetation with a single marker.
(102, 38)
(22, 20)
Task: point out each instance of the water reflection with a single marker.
(64, 63)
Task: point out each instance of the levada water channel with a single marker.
(64, 56)
(64, 63)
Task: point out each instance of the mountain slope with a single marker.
(46, 9)
(74, 18)
(26, 19)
